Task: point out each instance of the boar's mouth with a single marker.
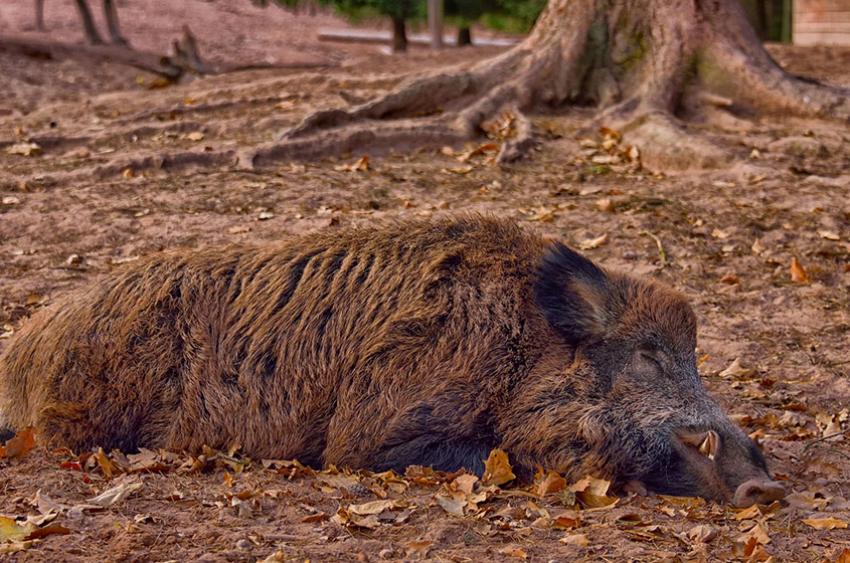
(718, 466)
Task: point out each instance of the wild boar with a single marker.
(424, 343)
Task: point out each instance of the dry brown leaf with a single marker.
(590, 244)
(497, 469)
(514, 551)
(605, 205)
(552, 482)
(10, 530)
(798, 272)
(593, 492)
(566, 521)
(736, 370)
(844, 557)
(748, 513)
(374, 507)
(826, 523)
(106, 466)
(115, 494)
(465, 483)
(49, 530)
(829, 235)
(19, 445)
(575, 539)
(24, 149)
(195, 136)
(360, 165)
(453, 504)
(702, 533)
(419, 547)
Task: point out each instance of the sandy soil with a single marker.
(727, 238)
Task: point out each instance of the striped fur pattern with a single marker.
(413, 343)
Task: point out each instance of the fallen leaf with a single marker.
(605, 205)
(826, 523)
(373, 507)
(47, 505)
(575, 539)
(24, 149)
(798, 272)
(736, 370)
(419, 547)
(748, 513)
(115, 494)
(566, 521)
(593, 492)
(702, 533)
(106, 466)
(454, 505)
(195, 136)
(465, 483)
(552, 482)
(590, 244)
(265, 216)
(49, 530)
(10, 530)
(844, 557)
(10, 200)
(19, 445)
(497, 469)
(514, 551)
(360, 165)
(829, 235)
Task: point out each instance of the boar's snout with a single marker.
(728, 466)
(757, 491)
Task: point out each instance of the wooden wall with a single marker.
(821, 22)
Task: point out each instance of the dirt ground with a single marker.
(98, 189)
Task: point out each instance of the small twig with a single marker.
(662, 255)
(825, 438)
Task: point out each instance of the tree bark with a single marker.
(92, 36)
(39, 15)
(399, 35)
(464, 36)
(110, 13)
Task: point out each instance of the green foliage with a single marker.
(400, 9)
(514, 16)
(468, 11)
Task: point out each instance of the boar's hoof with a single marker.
(757, 491)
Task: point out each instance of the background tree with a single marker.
(647, 66)
(465, 13)
(110, 13)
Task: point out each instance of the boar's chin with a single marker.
(683, 475)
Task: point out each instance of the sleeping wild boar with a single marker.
(417, 343)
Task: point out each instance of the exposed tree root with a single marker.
(646, 66)
(636, 63)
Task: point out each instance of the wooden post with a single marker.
(435, 23)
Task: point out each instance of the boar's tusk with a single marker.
(709, 445)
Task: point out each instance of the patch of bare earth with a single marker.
(76, 204)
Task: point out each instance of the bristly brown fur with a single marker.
(424, 342)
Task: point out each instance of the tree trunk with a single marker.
(644, 65)
(464, 36)
(39, 15)
(92, 36)
(110, 13)
(399, 35)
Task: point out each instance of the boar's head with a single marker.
(646, 416)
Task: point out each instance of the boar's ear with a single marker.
(573, 293)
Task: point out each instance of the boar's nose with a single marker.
(757, 491)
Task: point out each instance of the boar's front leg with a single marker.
(446, 432)
(545, 425)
